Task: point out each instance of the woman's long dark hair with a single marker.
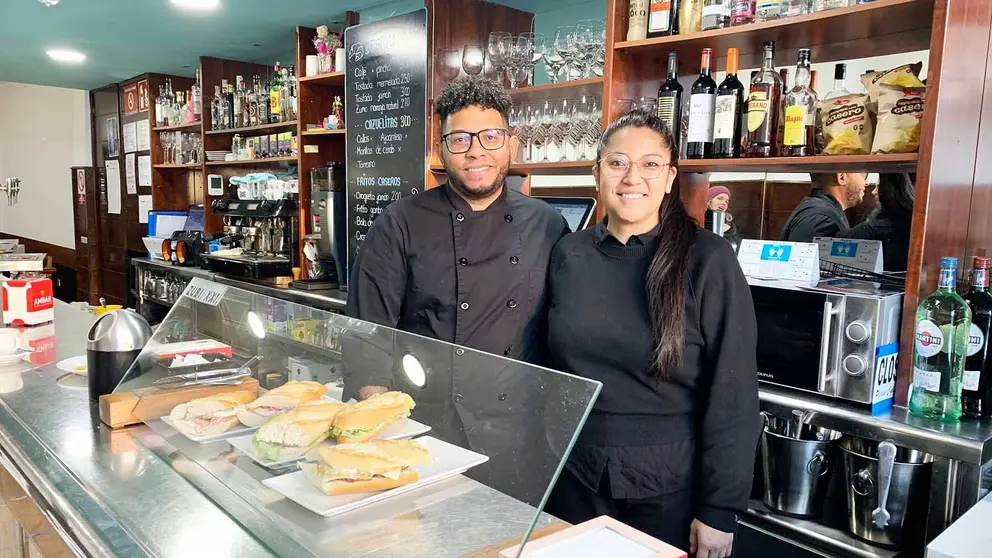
(666, 278)
(896, 194)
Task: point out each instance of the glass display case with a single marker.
(498, 431)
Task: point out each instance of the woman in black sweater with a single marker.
(658, 310)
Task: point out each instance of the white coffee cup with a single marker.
(10, 340)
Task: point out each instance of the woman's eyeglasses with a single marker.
(617, 166)
(461, 142)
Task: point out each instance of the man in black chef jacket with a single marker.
(821, 213)
(464, 263)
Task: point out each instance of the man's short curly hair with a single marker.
(472, 90)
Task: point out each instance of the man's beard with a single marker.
(478, 194)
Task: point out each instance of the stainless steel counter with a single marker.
(136, 493)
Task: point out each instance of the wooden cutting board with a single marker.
(124, 409)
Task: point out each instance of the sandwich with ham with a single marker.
(280, 400)
(363, 420)
(210, 415)
(292, 434)
(367, 466)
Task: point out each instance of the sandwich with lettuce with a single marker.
(290, 435)
(362, 421)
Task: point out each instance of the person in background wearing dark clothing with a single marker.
(669, 446)
(821, 213)
(892, 222)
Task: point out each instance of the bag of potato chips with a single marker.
(906, 75)
(900, 117)
(848, 125)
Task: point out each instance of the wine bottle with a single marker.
(670, 99)
(702, 101)
(729, 104)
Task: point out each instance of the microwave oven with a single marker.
(838, 339)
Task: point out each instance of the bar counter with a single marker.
(129, 493)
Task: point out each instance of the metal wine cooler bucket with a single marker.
(887, 491)
(797, 462)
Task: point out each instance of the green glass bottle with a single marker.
(943, 321)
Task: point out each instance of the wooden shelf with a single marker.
(323, 132)
(820, 163)
(561, 90)
(334, 78)
(178, 127)
(251, 162)
(527, 169)
(172, 166)
(872, 29)
(288, 125)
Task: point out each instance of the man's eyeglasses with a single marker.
(460, 142)
(617, 166)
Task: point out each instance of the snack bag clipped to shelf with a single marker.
(900, 117)
(848, 125)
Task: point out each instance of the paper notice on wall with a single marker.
(144, 206)
(130, 178)
(113, 186)
(130, 137)
(144, 136)
(144, 170)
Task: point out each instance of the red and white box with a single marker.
(28, 301)
(41, 340)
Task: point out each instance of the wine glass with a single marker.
(566, 47)
(473, 59)
(578, 127)
(562, 113)
(536, 47)
(521, 53)
(497, 47)
(543, 128)
(587, 44)
(594, 127)
(553, 62)
(449, 64)
(523, 130)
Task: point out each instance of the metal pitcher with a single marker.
(796, 469)
(887, 491)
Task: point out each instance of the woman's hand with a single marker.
(707, 542)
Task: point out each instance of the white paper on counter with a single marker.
(144, 136)
(113, 186)
(144, 170)
(130, 137)
(132, 183)
(144, 206)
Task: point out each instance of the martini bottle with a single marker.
(943, 322)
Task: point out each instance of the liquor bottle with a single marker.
(662, 18)
(791, 8)
(294, 97)
(727, 119)
(264, 115)
(215, 120)
(716, 14)
(159, 111)
(238, 122)
(767, 10)
(670, 99)
(762, 107)
(690, 17)
(225, 105)
(839, 90)
(741, 12)
(275, 90)
(197, 98)
(976, 384)
(286, 107)
(702, 101)
(253, 103)
(780, 132)
(943, 321)
(800, 112)
(245, 104)
(190, 108)
(637, 28)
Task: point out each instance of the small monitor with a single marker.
(194, 221)
(577, 211)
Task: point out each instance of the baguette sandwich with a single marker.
(280, 400)
(210, 415)
(292, 434)
(363, 420)
(366, 467)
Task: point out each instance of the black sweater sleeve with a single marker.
(729, 407)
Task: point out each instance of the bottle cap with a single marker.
(840, 71)
(948, 262)
(770, 44)
(732, 60)
(981, 262)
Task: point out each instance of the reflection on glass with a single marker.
(473, 59)
(449, 65)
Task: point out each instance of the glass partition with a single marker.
(498, 430)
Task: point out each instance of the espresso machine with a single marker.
(328, 214)
(267, 232)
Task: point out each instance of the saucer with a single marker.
(9, 360)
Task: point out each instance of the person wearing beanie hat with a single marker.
(718, 198)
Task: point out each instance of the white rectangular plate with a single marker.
(236, 431)
(406, 428)
(449, 460)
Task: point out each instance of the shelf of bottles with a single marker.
(237, 108)
(178, 110)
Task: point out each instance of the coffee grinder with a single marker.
(328, 214)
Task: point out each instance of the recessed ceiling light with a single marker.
(65, 55)
(197, 4)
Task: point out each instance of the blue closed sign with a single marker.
(776, 252)
(844, 249)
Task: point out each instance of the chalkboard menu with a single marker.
(386, 117)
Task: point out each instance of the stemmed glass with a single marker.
(543, 128)
(450, 65)
(498, 49)
(537, 47)
(593, 127)
(521, 53)
(578, 128)
(473, 59)
(566, 46)
(561, 125)
(588, 33)
(523, 130)
(553, 61)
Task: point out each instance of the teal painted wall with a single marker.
(550, 15)
(383, 11)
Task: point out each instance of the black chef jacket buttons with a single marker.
(514, 260)
(462, 261)
(459, 352)
(463, 306)
(459, 217)
(458, 397)
(502, 397)
(508, 217)
(506, 351)
(511, 304)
